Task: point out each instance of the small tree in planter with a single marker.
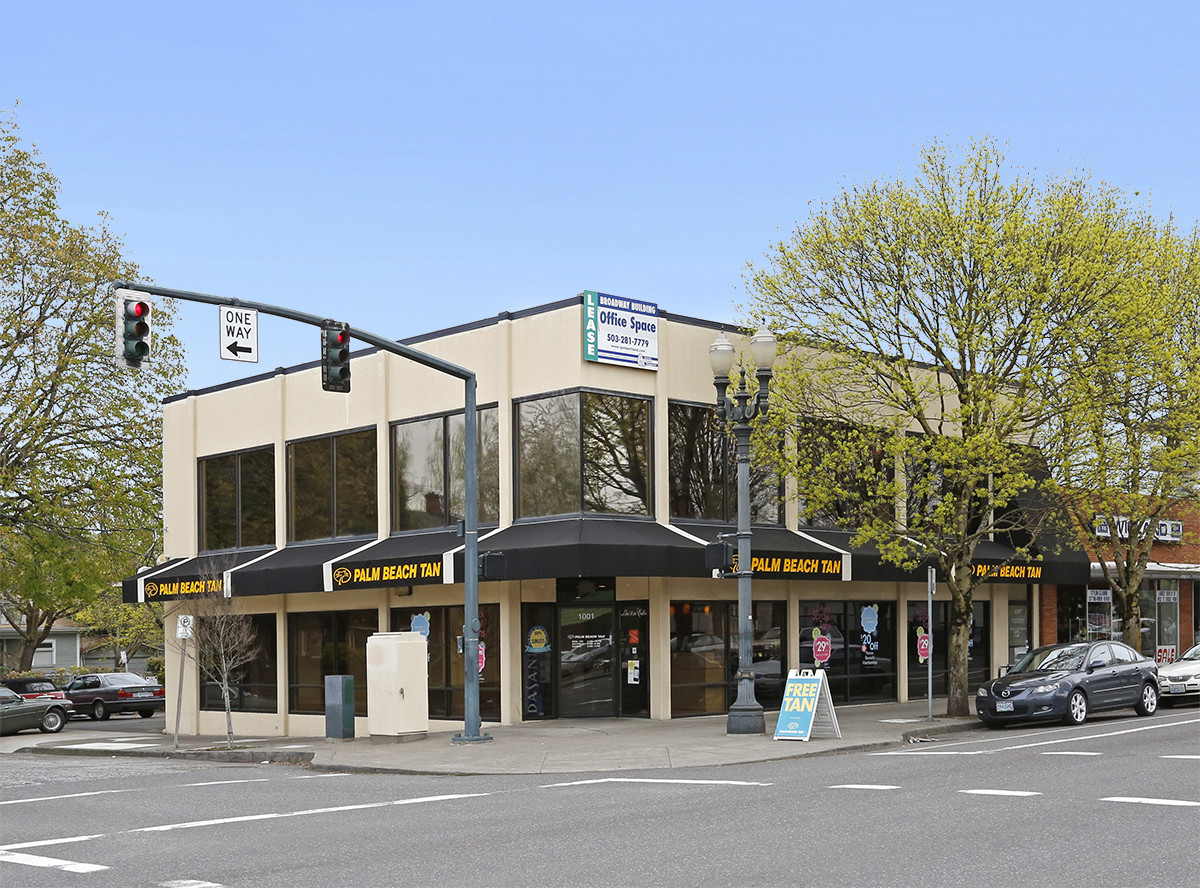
(224, 640)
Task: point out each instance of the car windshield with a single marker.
(1052, 660)
(1191, 654)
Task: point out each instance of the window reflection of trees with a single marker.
(424, 494)
(616, 454)
(332, 486)
(548, 455)
(856, 469)
(218, 485)
(703, 478)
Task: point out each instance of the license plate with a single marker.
(142, 694)
(1178, 689)
(1004, 705)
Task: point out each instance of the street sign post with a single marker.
(239, 334)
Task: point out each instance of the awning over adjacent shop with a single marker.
(292, 569)
(406, 560)
(594, 547)
(779, 553)
(182, 577)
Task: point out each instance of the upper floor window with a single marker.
(237, 500)
(583, 452)
(332, 487)
(429, 470)
(856, 472)
(703, 476)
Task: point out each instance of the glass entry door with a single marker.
(587, 666)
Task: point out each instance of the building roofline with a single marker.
(441, 334)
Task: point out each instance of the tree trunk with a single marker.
(228, 713)
(958, 694)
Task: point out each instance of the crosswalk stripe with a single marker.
(51, 862)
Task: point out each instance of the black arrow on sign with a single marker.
(233, 348)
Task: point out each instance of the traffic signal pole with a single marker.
(471, 720)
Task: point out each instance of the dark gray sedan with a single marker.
(101, 694)
(18, 714)
(1068, 681)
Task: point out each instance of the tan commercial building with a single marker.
(602, 474)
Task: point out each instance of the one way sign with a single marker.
(239, 334)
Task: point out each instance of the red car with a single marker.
(103, 693)
(37, 689)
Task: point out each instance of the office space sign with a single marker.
(620, 331)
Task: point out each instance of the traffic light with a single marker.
(133, 331)
(335, 356)
(718, 555)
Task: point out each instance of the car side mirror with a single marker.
(1003, 670)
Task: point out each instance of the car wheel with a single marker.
(1077, 708)
(100, 711)
(53, 721)
(1148, 705)
(146, 713)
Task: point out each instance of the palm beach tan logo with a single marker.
(151, 590)
(341, 576)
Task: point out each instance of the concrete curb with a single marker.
(235, 756)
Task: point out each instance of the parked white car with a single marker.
(1180, 679)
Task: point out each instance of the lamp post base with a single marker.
(746, 719)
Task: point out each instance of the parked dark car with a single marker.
(1069, 681)
(18, 714)
(36, 689)
(101, 694)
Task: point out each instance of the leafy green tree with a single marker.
(80, 442)
(122, 627)
(1125, 444)
(921, 318)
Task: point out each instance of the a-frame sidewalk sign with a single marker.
(807, 708)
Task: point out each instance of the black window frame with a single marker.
(203, 506)
(489, 508)
(334, 510)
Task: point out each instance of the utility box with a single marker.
(397, 686)
(339, 707)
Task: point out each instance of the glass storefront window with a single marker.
(255, 689)
(443, 627)
(327, 643)
(703, 480)
(429, 468)
(583, 452)
(332, 487)
(978, 652)
(861, 665)
(704, 655)
(237, 500)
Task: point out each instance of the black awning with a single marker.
(409, 559)
(593, 547)
(779, 553)
(293, 569)
(183, 577)
(998, 563)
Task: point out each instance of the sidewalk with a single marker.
(549, 747)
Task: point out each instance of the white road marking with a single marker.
(1176, 803)
(1185, 757)
(167, 827)
(649, 780)
(998, 792)
(863, 786)
(1074, 738)
(227, 782)
(1068, 752)
(74, 795)
(296, 746)
(114, 746)
(189, 883)
(51, 862)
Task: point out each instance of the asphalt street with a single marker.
(1113, 802)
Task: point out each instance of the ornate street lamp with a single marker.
(746, 714)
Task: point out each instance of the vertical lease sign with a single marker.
(620, 331)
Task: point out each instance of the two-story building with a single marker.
(602, 475)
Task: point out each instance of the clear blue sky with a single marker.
(407, 166)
